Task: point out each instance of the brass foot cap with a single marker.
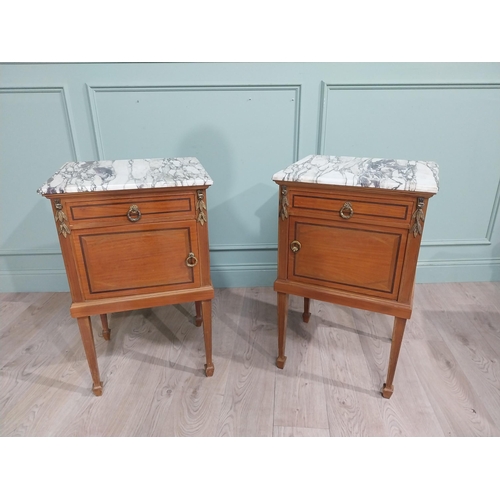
(106, 334)
(387, 391)
(280, 362)
(209, 370)
(97, 389)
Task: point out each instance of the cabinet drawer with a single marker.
(358, 258)
(344, 207)
(143, 259)
(132, 210)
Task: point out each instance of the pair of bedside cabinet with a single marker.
(134, 234)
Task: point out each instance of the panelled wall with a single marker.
(245, 121)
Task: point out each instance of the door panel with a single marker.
(357, 257)
(139, 260)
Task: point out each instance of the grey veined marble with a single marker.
(108, 175)
(405, 175)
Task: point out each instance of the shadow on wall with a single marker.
(215, 154)
(249, 218)
(242, 207)
(242, 210)
(31, 257)
(496, 269)
(36, 232)
(485, 268)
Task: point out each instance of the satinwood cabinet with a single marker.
(133, 234)
(345, 239)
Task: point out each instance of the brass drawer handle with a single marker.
(134, 214)
(191, 260)
(295, 246)
(347, 207)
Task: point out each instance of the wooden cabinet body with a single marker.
(351, 246)
(130, 249)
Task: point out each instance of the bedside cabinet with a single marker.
(349, 234)
(133, 235)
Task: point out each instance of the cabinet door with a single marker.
(119, 261)
(352, 257)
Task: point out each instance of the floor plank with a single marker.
(471, 331)
(458, 408)
(300, 432)
(410, 413)
(13, 304)
(350, 395)
(248, 400)
(300, 394)
(447, 382)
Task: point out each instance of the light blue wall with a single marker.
(245, 121)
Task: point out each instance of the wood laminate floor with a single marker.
(447, 381)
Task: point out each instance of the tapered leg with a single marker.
(397, 337)
(307, 314)
(199, 318)
(282, 320)
(206, 306)
(106, 332)
(85, 327)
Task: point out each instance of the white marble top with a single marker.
(402, 175)
(107, 175)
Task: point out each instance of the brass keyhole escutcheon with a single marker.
(191, 260)
(295, 246)
(346, 212)
(134, 214)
